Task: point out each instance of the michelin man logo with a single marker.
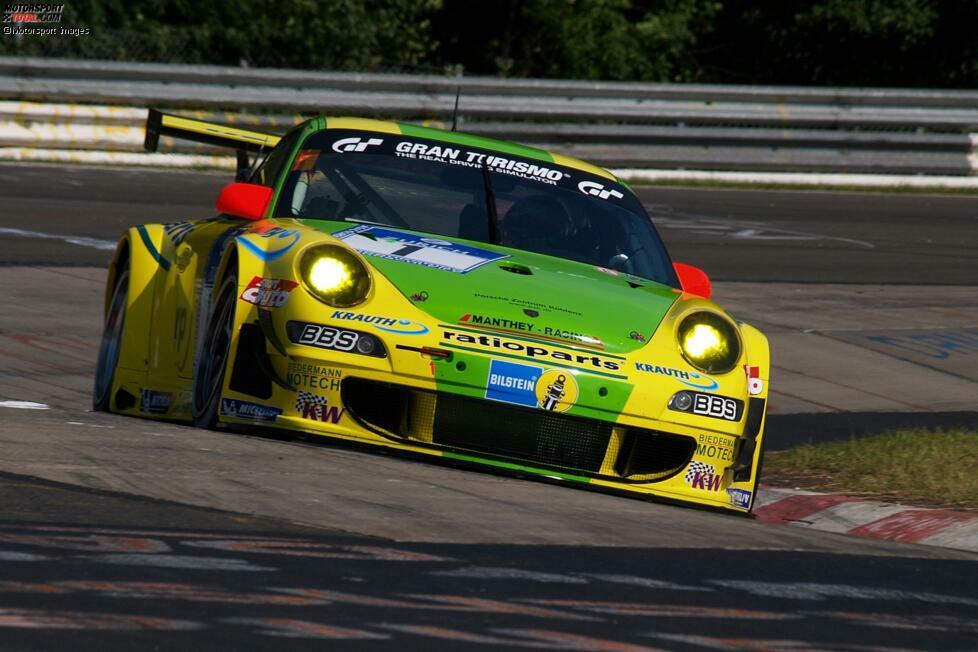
(597, 190)
(355, 144)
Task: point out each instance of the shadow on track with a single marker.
(86, 569)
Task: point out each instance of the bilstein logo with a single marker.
(556, 390)
(355, 144)
(533, 351)
(597, 190)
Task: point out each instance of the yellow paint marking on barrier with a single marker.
(145, 159)
(37, 110)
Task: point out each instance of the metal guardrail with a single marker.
(637, 125)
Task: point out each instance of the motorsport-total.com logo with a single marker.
(33, 18)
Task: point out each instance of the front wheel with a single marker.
(214, 353)
(108, 351)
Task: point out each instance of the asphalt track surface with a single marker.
(118, 533)
(739, 235)
(90, 569)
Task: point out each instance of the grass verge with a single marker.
(930, 468)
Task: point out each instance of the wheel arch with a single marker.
(758, 350)
(206, 413)
(120, 258)
(229, 258)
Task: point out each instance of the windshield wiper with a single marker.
(491, 206)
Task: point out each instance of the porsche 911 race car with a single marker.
(442, 294)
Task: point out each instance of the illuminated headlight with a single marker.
(334, 275)
(709, 342)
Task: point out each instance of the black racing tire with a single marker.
(108, 351)
(215, 350)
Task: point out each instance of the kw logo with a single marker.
(703, 476)
(317, 408)
(706, 481)
(355, 144)
(597, 190)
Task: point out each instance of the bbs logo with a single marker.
(355, 144)
(597, 190)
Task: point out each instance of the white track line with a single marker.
(80, 240)
(24, 405)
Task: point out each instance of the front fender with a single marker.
(142, 244)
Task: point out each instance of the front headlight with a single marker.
(334, 275)
(709, 342)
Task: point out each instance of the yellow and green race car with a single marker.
(442, 294)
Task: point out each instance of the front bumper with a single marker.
(406, 401)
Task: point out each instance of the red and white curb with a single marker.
(866, 518)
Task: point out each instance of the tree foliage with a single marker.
(310, 34)
(583, 39)
(924, 43)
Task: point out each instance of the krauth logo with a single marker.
(355, 144)
(688, 378)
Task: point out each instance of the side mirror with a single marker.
(247, 200)
(693, 280)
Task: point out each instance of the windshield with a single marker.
(473, 194)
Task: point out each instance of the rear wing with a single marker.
(241, 140)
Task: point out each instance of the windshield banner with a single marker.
(403, 246)
(453, 154)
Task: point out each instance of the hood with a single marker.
(523, 294)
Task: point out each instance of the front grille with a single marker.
(646, 456)
(533, 437)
